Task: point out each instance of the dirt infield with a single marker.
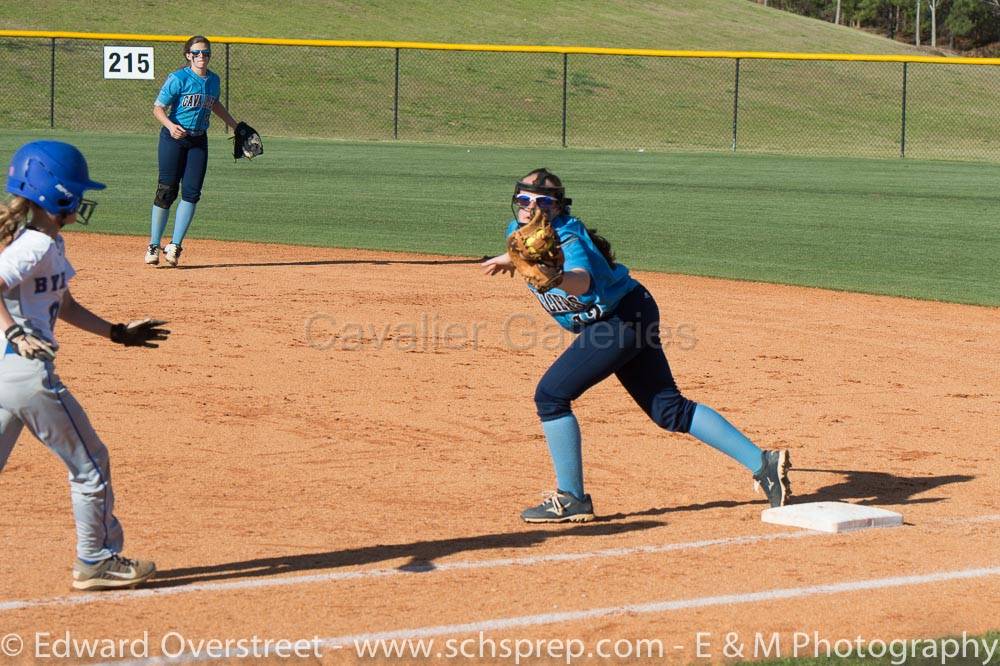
(366, 419)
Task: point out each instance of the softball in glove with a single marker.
(536, 253)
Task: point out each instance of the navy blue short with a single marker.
(183, 161)
(627, 344)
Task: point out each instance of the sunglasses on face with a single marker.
(197, 52)
(541, 200)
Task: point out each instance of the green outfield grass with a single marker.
(922, 229)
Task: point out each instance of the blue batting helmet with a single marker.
(53, 174)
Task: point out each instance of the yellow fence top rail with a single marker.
(582, 50)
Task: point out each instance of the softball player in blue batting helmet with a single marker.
(186, 101)
(48, 180)
(617, 324)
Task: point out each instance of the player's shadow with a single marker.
(865, 487)
(857, 487)
(682, 508)
(420, 555)
(330, 262)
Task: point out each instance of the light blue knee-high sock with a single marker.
(182, 220)
(158, 224)
(712, 428)
(563, 437)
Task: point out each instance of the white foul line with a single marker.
(501, 624)
(460, 565)
(666, 606)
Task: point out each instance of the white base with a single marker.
(831, 516)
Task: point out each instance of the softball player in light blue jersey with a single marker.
(48, 180)
(617, 322)
(184, 106)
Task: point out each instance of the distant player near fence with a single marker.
(187, 100)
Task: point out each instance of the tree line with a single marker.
(971, 26)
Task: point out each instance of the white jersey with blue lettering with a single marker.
(36, 273)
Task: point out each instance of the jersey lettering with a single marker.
(58, 283)
(559, 304)
(592, 314)
(197, 101)
(580, 313)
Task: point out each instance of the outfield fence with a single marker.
(795, 103)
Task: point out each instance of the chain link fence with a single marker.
(925, 108)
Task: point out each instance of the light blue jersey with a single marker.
(607, 285)
(190, 98)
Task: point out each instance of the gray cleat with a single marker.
(111, 574)
(560, 507)
(773, 477)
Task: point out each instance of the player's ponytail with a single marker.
(604, 245)
(13, 215)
